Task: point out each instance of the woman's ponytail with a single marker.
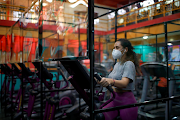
(136, 63)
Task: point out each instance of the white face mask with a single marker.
(105, 57)
(117, 54)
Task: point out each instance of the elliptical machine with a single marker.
(81, 82)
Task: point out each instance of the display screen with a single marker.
(173, 53)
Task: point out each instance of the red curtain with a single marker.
(3, 43)
(8, 43)
(19, 44)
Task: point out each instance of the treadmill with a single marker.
(160, 110)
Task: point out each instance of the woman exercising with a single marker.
(122, 79)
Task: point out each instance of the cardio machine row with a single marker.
(26, 102)
(54, 106)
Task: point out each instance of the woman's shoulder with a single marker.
(110, 60)
(129, 62)
(129, 65)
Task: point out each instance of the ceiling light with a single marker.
(96, 21)
(45, 4)
(169, 44)
(50, 1)
(61, 7)
(147, 3)
(77, 3)
(171, 39)
(121, 11)
(135, 8)
(120, 21)
(145, 37)
(72, 1)
(111, 15)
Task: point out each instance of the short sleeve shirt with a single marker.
(127, 70)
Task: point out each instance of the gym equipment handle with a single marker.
(98, 77)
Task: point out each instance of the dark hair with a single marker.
(159, 57)
(130, 54)
(106, 52)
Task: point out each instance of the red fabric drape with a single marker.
(19, 44)
(16, 44)
(33, 48)
(8, 43)
(3, 40)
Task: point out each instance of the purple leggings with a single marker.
(120, 100)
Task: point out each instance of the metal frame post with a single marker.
(12, 77)
(156, 48)
(41, 114)
(115, 31)
(115, 25)
(5, 84)
(22, 83)
(40, 30)
(58, 47)
(99, 49)
(156, 81)
(12, 92)
(5, 95)
(79, 36)
(1, 77)
(167, 115)
(91, 52)
(40, 35)
(125, 35)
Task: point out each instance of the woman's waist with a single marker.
(120, 90)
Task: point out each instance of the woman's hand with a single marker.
(70, 77)
(105, 82)
(154, 78)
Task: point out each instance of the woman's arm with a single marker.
(121, 83)
(117, 83)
